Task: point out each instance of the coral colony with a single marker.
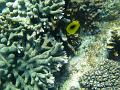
(40, 40)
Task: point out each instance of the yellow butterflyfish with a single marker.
(73, 27)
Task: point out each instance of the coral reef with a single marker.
(45, 12)
(113, 45)
(111, 10)
(29, 62)
(42, 16)
(104, 76)
(38, 37)
(87, 13)
(29, 54)
(89, 65)
(70, 41)
(91, 12)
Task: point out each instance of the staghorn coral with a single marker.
(29, 54)
(27, 63)
(42, 16)
(104, 77)
(45, 12)
(113, 45)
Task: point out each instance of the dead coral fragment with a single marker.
(113, 46)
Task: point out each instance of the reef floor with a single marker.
(90, 54)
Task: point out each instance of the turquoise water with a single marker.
(59, 44)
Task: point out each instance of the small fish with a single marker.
(73, 27)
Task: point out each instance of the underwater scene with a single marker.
(59, 44)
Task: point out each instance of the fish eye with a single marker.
(72, 27)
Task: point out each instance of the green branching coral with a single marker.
(29, 54)
(45, 12)
(41, 16)
(105, 77)
(27, 63)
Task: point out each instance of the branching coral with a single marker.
(29, 54)
(29, 62)
(42, 16)
(105, 76)
(45, 12)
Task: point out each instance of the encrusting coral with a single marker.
(104, 77)
(29, 54)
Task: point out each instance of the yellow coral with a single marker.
(73, 27)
